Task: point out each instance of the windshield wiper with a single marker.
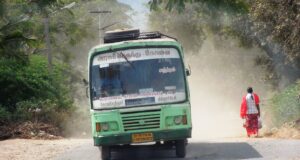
(127, 60)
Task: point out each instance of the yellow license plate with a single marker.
(142, 137)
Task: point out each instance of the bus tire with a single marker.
(169, 143)
(180, 148)
(105, 153)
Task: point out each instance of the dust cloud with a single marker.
(220, 76)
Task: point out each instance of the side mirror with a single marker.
(188, 71)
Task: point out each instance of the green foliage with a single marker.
(14, 42)
(185, 26)
(47, 111)
(26, 87)
(279, 21)
(25, 81)
(22, 28)
(229, 6)
(5, 116)
(29, 92)
(22, 25)
(272, 26)
(286, 105)
(200, 19)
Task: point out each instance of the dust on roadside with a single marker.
(287, 130)
(29, 149)
(29, 130)
(34, 141)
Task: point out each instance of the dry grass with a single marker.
(30, 130)
(287, 130)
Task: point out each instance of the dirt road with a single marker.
(26, 149)
(218, 149)
(213, 149)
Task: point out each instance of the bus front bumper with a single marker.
(125, 138)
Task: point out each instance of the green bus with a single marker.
(139, 92)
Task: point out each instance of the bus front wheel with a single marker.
(105, 153)
(180, 148)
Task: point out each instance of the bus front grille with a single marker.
(141, 120)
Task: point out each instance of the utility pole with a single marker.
(99, 12)
(47, 41)
(47, 36)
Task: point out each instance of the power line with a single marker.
(99, 12)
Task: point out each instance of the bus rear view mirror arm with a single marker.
(86, 83)
(87, 91)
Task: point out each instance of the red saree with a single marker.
(251, 123)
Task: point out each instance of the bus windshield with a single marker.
(135, 77)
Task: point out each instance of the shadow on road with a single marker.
(212, 151)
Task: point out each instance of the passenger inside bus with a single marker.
(111, 84)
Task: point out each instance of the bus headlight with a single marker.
(178, 120)
(104, 126)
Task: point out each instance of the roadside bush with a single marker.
(4, 115)
(29, 92)
(286, 105)
(45, 111)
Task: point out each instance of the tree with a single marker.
(16, 39)
(196, 18)
(25, 80)
(276, 26)
(24, 77)
(265, 24)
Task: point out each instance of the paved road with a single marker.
(215, 149)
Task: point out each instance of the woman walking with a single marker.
(250, 111)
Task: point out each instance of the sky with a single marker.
(139, 18)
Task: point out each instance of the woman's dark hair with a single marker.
(249, 90)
